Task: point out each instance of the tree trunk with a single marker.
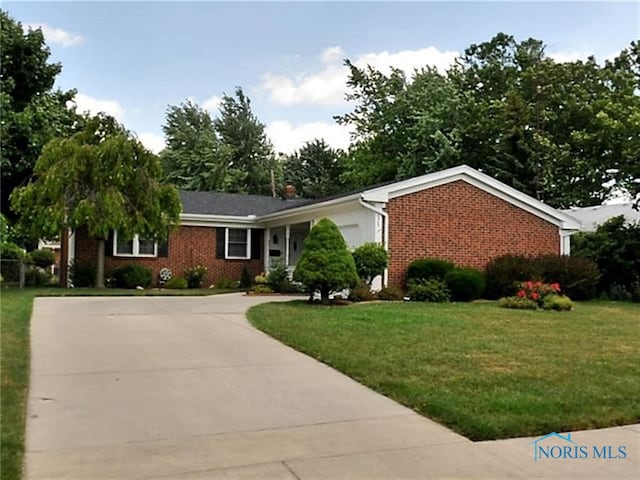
(100, 265)
(324, 296)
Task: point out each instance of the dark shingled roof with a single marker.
(234, 204)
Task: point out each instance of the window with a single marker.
(136, 247)
(238, 243)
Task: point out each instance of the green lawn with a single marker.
(486, 372)
(15, 313)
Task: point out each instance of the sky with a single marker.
(134, 59)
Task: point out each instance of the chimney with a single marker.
(289, 192)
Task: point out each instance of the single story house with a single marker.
(459, 214)
(591, 217)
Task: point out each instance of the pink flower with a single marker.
(521, 294)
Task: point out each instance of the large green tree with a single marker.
(252, 158)
(32, 111)
(103, 179)
(315, 169)
(194, 158)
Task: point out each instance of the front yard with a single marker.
(484, 371)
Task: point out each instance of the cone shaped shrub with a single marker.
(326, 265)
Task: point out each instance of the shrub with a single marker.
(132, 276)
(224, 283)
(261, 289)
(260, 279)
(390, 293)
(325, 264)
(371, 260)
(537, 291)
(425, 268)
(503, 273)
(429, 290)
(278, 278)
(177, 283)
(577, 275)
(465, 284)
(37, 276)
(11, 254)
(615, 247)
(245, 279)
(43, 258)
(195, 276)
(557, 302)
(361, 293)
(82, 275)
(519, 303)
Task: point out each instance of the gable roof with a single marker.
(591, 217)
(233, 204)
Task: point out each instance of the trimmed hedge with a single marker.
(465, 284)
(132, 276)
(82, 275)
(429, 290)
(425, 268)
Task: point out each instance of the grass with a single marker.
(484, 371)
(15, 313)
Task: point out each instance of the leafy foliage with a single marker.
(43, 257)
(371, 259)
(32, 112)
(428, 290)
(132, 276)
(465, 284)
(194, 159)
(225, 283)
(503, 273)
(390, 293)
(178, 283)
(101, 178)
(519, 303)
(278, 278)
(425, 268)
(82, 275)
(615, 247)
(315, 170)
(361, 293)
(325, 264)
(557, 302)
(195, 276)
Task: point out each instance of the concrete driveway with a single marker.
(185, 388)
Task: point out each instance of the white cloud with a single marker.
(85, 103)
(329, 85)
(332, 54)
(287, 138)
(153, 142)
(562, 56)
(57, 35)
(212, 103)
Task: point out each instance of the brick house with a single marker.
(459, 214)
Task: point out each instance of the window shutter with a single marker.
(256, 243)
(108, 245)
(163, 248)
(220, 241)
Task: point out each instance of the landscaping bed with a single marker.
(484, 371)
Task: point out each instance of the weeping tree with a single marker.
(102, 178)
(325, 264)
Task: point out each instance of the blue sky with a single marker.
(135, 59)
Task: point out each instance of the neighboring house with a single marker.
(459, 214)
(591, 217)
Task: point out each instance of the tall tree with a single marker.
(315, 169)
(252, 156)
(194, 158)
(103, 179)
(32, 112)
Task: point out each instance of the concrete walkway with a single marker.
(185, 388)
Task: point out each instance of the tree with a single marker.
(371, 260)
(194, 158)
(252, 158)
(325, 264)
(103, 179)
(32, 112)
(315, 170)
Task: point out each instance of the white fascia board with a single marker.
(291, 212)
(202, 220)
(479, 180)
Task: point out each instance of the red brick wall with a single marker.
(188, 247)
(462, 223)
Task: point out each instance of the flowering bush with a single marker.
(195, 276)
(537, 291)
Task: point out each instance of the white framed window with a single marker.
(237, 243)
(136, 247)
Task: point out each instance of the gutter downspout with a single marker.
(385, 229)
